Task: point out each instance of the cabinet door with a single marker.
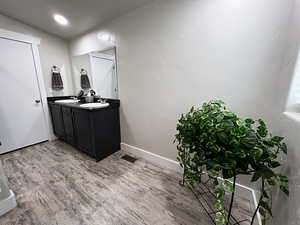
(82, 130)
(68, 124)
(57, 121)
(106, 132)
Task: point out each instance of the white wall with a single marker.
(174, 54)
(89, 43)
(53, 51)
(287, 210)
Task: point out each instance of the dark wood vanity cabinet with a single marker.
(95, 132)
(105, 131)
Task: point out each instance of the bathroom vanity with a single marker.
(94, 131)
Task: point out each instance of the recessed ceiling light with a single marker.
(61, 19)
(104, 37)
(107, 37)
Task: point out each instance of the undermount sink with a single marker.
(66, 101)
(95, 105)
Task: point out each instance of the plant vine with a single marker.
(215, 140)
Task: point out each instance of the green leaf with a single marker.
(228, 186)
(284, 148)
(228, 154)
(216, 182)
(219, 102)
(266, 172)
(266, 207)
(219, 205)
(265, 194)
(250, 140)
(220, 117)
(227, 173)
(241, 154)
(219, 192)
(268, 143)
(262, 129)
(284, 189)
(283, 178)
(262, 211)
(255, 177)
(277, 139)
(228, 124)
(240, 122)
(257, 153)
(249, 121)
(220, 218)
(228, 114)
(213, 173)
(274, 164)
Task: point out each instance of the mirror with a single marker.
(96, 71)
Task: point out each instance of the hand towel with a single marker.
(57, 83)
(84, 80)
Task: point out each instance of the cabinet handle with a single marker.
(37, 101)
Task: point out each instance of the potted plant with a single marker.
(215, 141)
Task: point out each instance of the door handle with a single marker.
(37, 101)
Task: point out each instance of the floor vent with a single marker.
(129, 158)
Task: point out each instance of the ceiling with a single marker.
(83, 15)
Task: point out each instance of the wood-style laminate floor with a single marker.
(57, 185)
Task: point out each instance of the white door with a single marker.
(104, 77)
(22, 120)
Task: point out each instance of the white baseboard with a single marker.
(151, 157)
(163, 162)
